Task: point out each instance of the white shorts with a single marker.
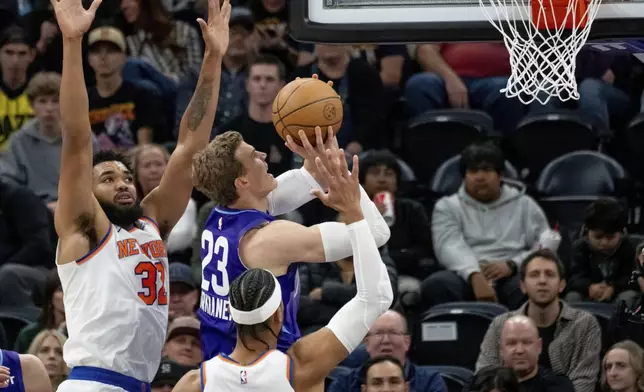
(87, 386)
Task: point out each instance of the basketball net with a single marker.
(543, 38)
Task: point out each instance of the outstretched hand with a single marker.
(73, 19)
(215, 31)
(343, 187)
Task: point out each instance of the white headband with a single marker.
(262, 313)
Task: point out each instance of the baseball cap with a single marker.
(184, 325)
(242, 16)
(107, 34)
(169, 373)
(181, 273)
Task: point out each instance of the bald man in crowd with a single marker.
(520, 350)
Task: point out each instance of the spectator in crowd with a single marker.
(361, 90)
(266, 77)
(48, 347)
(168, 376)
(389, 336)
(171, 47)
(623, 368)
(464, 76)
(271, 28)
(183, 345)
(494, 379)
(385, 373)
(150, 162)
(183, 291)
(52, 314)
(521, 347)
(326, 287)
(25, 228)
(121, 112)
(410, 242)
(33, 156)
(482, 233)
(16, 54)
(604, 258)
(570, 338)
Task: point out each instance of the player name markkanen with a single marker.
(215, 306)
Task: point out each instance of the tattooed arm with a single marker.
(167, 202)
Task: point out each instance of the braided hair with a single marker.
(248, 292)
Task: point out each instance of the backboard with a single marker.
(408, 21)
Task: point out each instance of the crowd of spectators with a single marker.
(482, 242)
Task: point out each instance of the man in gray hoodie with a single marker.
(32, 159)
(482, 234)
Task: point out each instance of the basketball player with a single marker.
(22, 373)
(241, 232)
(111, 257)
(257, 309)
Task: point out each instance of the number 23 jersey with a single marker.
(221, 264)
(116, 302)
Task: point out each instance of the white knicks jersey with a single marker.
(116, 302)
(271, 372)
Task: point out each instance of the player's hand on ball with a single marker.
(310, 153)
(215, 30)
(315, 76)
(343, 187)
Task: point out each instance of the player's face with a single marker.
(15, 59)
(150, 167)
(483, 184)
(106, 59)
(542, 283)
(263, 84)
(620, 374)
(385, 377)
(380, 178)
(131, 9)
(114, 189)
(256, 178)
(47, 110)
(51, 355)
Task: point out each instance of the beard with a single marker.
(122, 216)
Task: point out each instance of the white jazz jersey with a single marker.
(271, 372)
(116, 302)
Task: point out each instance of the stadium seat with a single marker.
(433, 137)
(447, 178)
(455, 377)
(603, 313)
(4, 342)
(451, 334)
(633, 147)
(12, 326)
(540, 138)
(568, 184)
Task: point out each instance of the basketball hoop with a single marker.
(543, 38)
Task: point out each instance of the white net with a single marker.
(542, 61)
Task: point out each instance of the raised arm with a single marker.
(167, 203)
(317, 354)
(78, 210)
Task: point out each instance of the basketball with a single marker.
(305, 104)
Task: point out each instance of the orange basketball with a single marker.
(304, 104)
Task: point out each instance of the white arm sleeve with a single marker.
(335, 235)
(293, 191)
(374, 293)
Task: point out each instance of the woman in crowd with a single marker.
(48, 347)
(623, 368)
(52, 315)
(150, 161)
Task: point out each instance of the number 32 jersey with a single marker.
(221, 264)
(116, 303)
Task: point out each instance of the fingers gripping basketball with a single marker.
(304, 104)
